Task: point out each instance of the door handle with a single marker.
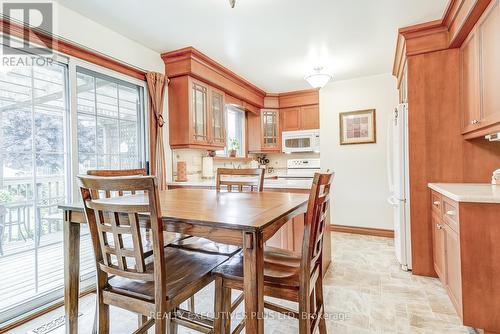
(436, 203)
(439, 226)
(451, 213)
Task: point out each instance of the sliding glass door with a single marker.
(34, 173)
(47, 137)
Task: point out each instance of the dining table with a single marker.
(243, 219)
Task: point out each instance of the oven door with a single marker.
(293, 143)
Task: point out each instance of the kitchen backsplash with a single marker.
(193, 159)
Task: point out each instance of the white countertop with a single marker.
(468, 192)
(268, 183)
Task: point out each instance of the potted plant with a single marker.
(234, 146)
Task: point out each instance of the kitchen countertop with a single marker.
(268, 183)
(468, 192)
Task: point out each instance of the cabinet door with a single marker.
(291, 119)
(309, 117)
(470, 86)
(453, 268)
(438, 238)
(199, 111)
(489, 30)
(270, 130)
(217, 111)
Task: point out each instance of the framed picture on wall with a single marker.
(358, 127)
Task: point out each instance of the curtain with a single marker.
(156, 87)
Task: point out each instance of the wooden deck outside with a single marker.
(22, 277)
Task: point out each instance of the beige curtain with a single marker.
(156, 87)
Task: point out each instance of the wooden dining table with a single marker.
(245, 220)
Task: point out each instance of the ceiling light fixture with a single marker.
(232, 3)
(318, 79)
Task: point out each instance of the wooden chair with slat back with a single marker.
(115, 173)
(150, 283)
(289, 276)
(239, 180)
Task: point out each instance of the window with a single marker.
(109, 123)
(235, 131)
(44, 143)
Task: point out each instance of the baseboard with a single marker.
(362, 230)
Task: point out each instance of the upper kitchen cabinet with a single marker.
(197, 94)
(489, 30)
(480, 73)
(196, 114)
(264, 132)
(300, 118)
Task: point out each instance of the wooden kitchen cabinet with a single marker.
(489, 30)
(480, 74)
(264, 131)
(438, 238)
(300, 118)
(453, 274)
(466, 252)
(290, 119)
(196, 114)
(469, 85)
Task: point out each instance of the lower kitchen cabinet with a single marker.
(466, 249)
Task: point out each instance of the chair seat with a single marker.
(280, 267)
(205, 246)
(184, 269)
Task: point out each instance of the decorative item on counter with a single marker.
(211, 153)
(207, 167)
(234, 146)
(181, 171)
(495, 179)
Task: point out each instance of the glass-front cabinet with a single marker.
(270, 129)
(218, 135)
(197, 114)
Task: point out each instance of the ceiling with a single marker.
(272, 43)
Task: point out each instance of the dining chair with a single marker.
(150, 283)
(287, 275)
(241, 179)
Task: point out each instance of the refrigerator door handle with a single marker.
(392, 201)
(390, 143)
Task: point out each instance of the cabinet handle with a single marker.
(475, 121)
(436, 203)
(451, 213)
(439, 226)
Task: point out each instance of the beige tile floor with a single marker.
(365, 292)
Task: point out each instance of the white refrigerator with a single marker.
(398, 175)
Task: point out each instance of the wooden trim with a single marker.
(298, 98)
(69, 48)
(231, 159)
(41, 311)
(189, 61)
(450, 31)
(377, 232)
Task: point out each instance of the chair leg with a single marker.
(226, 310)
(191, 304)
(103, 319)
(141, 319)
(320, 304)
(172, 325)
(304, 311)
(161, 325)
(218, 307)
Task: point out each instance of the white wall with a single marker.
(360, 187)
(90, 34)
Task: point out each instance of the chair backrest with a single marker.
(315, 222)
(115, 172)
(244, 179)
(112, 219)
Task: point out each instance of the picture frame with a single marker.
(358, 127)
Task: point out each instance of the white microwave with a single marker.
(301, 141)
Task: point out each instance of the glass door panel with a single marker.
(33, 182)
(218, 133)
(199, 112)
